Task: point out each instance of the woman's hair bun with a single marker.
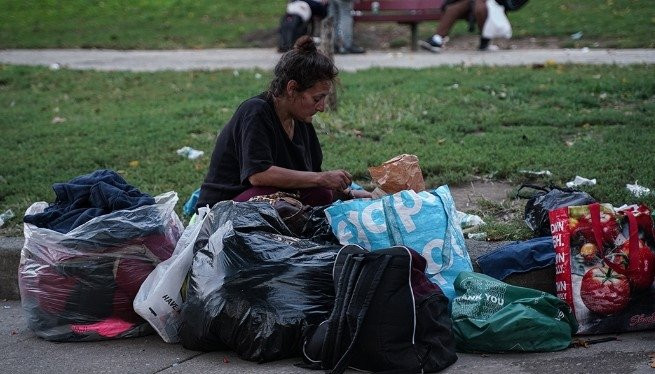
(305, 44)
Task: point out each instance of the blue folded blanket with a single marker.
(518, 257)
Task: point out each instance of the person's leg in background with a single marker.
(453, 12)
(319, 12)
(480, 12)
(341, 10)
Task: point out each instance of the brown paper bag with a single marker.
(400, 173)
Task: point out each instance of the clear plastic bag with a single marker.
(79, 286)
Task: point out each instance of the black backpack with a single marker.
(292, 27)
(387, 316)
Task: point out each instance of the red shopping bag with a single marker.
(605, 266)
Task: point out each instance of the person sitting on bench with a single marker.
(474, 11)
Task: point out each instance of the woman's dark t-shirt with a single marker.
(251, 142)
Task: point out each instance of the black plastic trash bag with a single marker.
(549, 198)
(254, 288)
(304, 221)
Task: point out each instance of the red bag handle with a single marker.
(594, 211)
(634, 240)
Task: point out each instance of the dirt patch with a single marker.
(468, 197)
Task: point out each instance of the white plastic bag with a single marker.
(159, 300)
(497, 25)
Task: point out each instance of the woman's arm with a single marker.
(276, 176)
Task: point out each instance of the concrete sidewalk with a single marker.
(264, 58)
(22, 352)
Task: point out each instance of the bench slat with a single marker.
(401, 18)
(410, 12)
(387, 5)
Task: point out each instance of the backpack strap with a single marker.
(366, 285)
(331, 341)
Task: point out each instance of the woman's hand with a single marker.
(361, 194)
(337, 180)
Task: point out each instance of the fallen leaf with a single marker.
(550, 63)
(58, 119)
(134, 164)
(579, 342)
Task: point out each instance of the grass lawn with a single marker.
(162, 24)
(462, 123)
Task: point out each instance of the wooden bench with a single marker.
(408, 12)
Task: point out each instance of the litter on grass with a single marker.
(581, 181)
(190, 153)
(539, 173)
(6, 216)
(469, 220)
(637, 190)
(482, 236)
(577, 35)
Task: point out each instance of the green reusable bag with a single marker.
(492, 316)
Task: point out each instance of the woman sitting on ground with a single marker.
(270, 145)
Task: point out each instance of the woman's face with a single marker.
(306, 103)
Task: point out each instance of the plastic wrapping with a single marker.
(492, 316)
(605, 266)
(425, 221)
(79, 286)
(537, 207)
(253, 287)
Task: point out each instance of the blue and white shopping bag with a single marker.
(424, 221)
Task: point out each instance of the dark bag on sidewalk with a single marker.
(292, 27)
(387, 316)
(549, 198)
